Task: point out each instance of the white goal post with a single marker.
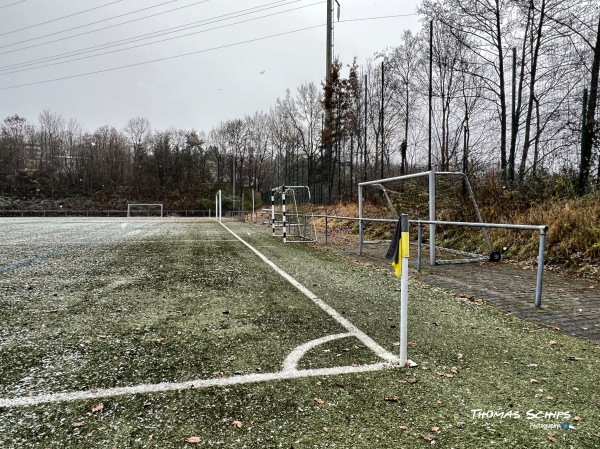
(431, 194)
(144, 210)
(296, 227)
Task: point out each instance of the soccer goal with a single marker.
(144, 210)
(292, 213)
(430, 196)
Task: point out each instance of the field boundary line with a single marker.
(343, 321)
(189, 385)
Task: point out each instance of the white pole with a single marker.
(283, 214)
(404, 291)
(432, 217)
(360, 222)
(253, 221)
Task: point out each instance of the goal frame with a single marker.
(129, 206)
(283, 190)
(431, 175)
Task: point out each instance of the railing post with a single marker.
(419, 245)
(326, 236)
(540, 268)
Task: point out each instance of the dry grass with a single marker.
(573, 240)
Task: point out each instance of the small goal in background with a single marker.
(144, 210)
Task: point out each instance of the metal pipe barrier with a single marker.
(542, 229)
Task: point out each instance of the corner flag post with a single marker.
(404, 252)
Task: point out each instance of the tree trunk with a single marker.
(589, 128)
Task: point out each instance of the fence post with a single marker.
(540, 268)
(419, 245)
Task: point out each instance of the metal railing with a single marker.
(542, 229)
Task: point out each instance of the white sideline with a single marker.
(289, 369)
(350, 327)
(192, 384)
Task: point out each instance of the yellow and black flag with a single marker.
(399, 245)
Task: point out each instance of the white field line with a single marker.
(192, 384)
(288, 372)
(350, 327)
(291, 361)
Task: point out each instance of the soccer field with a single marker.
(173, 332)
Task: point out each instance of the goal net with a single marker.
(144, 210)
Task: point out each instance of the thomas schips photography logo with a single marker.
(538, 419)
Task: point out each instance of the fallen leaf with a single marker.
(574, 358)
(454, 369)
(552, 343)
(151, 436)
(325, 429)
(193, 440)
(428, 437)
(577, 418)
(77, 425)
(533, 381)
(97, 407)
(550, 398)
(532, 365)
(403, 428)
(435, 429)
(551, 438)
(412, 344)
(438, 402)
(391, 398)
(238, 424)
(460, 356)
(412, 380)
(319, 401)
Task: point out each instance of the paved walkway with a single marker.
(569, 303)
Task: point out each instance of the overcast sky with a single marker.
(229, 72)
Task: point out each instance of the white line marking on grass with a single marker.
(368, 341)
(192, 384)
(291, 361)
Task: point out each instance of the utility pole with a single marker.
(430, 87)
(329, 51)
(365, 135)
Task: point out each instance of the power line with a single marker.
(12, 4)
(56, 20)
(221, 47)
(159, 41)
(140, 37)
(99, 21)
(378, 18)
